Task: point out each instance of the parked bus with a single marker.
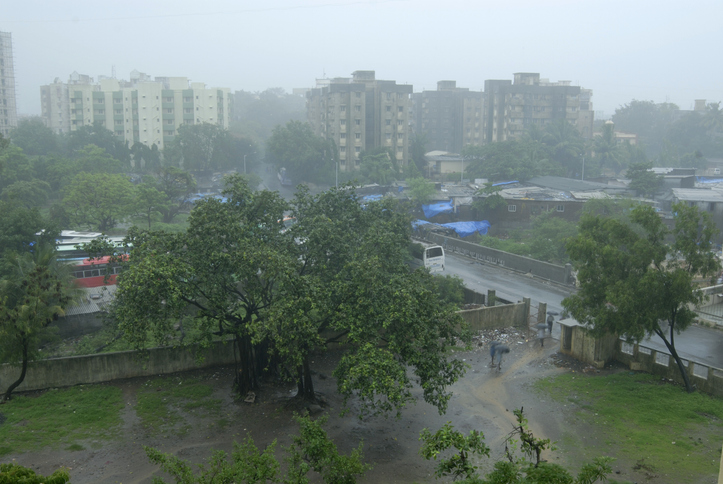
(92, 273)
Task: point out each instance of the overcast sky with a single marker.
(658, 50)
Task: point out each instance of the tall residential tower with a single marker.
(360, 114)
(8, 109)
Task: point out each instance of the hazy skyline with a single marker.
(622, 50)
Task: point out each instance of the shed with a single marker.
(578, 342)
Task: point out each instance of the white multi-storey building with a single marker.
(139, 111)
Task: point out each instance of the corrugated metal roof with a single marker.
(698, 195)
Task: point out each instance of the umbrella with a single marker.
(501, 349)
(541, 326)
(552, 313)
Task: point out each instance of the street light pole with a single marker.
(582, 178)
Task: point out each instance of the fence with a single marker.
(706, 378)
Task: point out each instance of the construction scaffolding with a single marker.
(8, 106)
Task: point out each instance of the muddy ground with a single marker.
(483, 400)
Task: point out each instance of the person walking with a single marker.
(541, 335)
(550, 320)
(501, 350)
(493, 347)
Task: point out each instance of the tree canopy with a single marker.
(338, 274)
(99, 201)
(635, 284)
(305, 156)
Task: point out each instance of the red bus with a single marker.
(92, 273)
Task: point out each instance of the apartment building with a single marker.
(8, 107)
(450, 117)
(512, 106)
(361, 113)
(139, 111)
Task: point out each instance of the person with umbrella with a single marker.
(550, 320)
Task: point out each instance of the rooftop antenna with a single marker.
(112, 72)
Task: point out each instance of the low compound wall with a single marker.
(707, 379)
(497, 316)
(76, 370)
(98, 368)
(545, 270)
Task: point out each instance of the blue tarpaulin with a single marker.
(436, 208)
(371, 198)
(462, 229)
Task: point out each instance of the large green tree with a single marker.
(354, 257)
(644, 181)
(222, 275)
(178, 185)
(96, 134)
(202, 148)
(305, 156)
(34, 137)
(99, 200)
(635, 284)
(34, 290)
(378, 166)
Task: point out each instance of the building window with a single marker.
(511, 208)
(342, 108)
(357, 135)
(401, 109)
(400, 136)
(389, 135)
(342, 149)
(357, 122)
(343, 122)
(357, 108)
(560, 208)
(388, 122)
(357, 149)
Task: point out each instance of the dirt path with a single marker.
(483, 400)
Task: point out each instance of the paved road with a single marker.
(696, 343)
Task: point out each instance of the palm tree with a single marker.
(35, 291)
(607, 150)
(566, 145)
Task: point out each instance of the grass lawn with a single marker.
(645, 422)
(60, 418)
(163, 401)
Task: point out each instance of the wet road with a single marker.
(699, 344)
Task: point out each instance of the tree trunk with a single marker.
(304, 382)
(671, 347)
(24, 370)
(246, 376)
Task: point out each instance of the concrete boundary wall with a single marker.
(103, 367)
(497, 316)
(545, 270)
(706, 378)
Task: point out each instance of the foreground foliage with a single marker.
(14, 474)
(311, 450)
(525, 466)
